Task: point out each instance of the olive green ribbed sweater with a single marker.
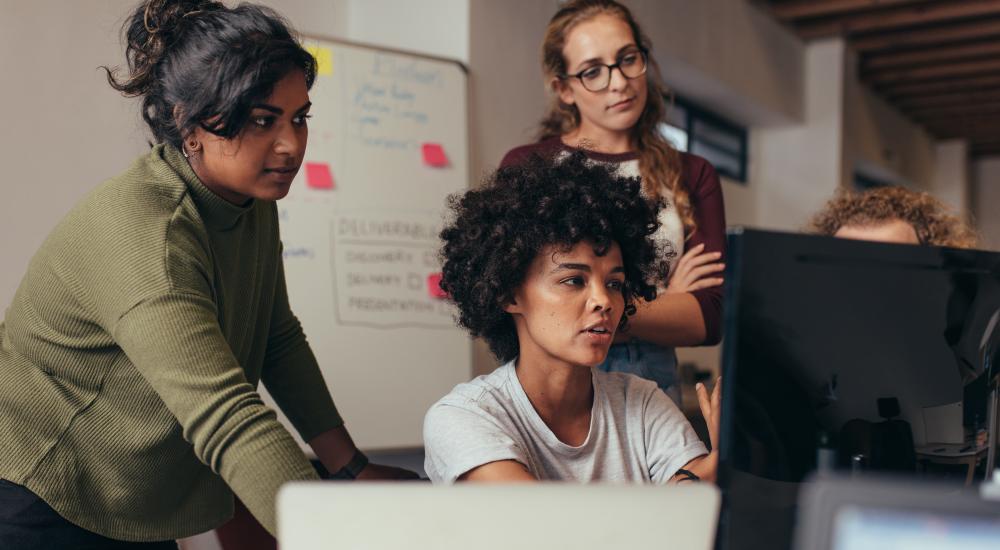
(131, 353)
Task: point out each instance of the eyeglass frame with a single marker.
(579, 76)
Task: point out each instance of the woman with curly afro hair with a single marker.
(545, 262)
(893, 214)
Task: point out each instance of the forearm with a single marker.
(175, 342)
(334, 448)
(706, 467)
(671, 320)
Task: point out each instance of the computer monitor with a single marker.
(822, 335)
(841, 513)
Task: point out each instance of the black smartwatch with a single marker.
(353, 468)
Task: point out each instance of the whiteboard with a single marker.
(387, 144)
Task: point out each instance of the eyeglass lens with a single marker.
(598, 77)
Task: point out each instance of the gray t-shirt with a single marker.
(637, 434)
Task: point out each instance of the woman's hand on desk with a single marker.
(381, 472)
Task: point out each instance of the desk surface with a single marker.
(951, 450)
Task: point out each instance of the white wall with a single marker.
(796, 168)
(951, 181)
(507, 95)
(879, 141)
(65, 129)
(728, 55)
(986, 201)
(433, 27)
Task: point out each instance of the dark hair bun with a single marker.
(199, 64)
(148, 33)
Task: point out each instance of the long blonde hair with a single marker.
(659, 162)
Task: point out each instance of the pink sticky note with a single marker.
(434, 155)
(318, 175)
(434, 286)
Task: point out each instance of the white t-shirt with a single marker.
(637, 434)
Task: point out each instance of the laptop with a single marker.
(542, 516)
(888, 514)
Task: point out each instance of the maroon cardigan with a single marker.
(705, 191)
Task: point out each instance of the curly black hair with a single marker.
(499, 228)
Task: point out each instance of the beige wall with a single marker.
(728, 55)
(65, 130)
(986, 201)
(880, 141)
(507, 96)
(951, 180)
(796, 168)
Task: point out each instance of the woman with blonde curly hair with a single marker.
(893, 214)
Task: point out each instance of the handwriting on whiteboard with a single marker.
(381, 263)
(385, 102)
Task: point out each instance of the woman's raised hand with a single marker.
(710, 410)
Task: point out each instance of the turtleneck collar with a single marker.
(217, 212)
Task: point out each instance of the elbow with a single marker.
(711, 317)
(711, 338)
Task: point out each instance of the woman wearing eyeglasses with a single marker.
(608, 102)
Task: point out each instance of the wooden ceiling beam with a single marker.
(931, 36)
(890, 19)
(941, 54)
(978, 149)
(919, 89)
(985, 120)
(989, 122)
(968, 131)
(947, 100)
(936, 72)
(957, 130)
(802, 9)
(954, 110)
(987, 143)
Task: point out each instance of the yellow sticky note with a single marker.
(324, 59)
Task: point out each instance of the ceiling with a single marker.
(937, 61)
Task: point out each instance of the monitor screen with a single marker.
(861, 528)
(844, 355)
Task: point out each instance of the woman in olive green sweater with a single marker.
(131, 354)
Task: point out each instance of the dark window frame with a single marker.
(863, 182)
(694, 112)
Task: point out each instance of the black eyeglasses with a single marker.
(598, 77)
